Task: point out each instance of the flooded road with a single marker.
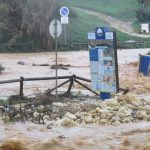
(79, 65)
(29, 136)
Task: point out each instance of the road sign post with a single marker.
(64, 12)
(55, 30)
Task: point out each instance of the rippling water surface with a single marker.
(135, 136)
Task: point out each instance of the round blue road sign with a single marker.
(64, 11)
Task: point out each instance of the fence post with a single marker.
(21, 86)
(70, 85)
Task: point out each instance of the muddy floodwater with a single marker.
(28, 136)
(79, 65)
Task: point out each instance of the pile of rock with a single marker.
(121, 109)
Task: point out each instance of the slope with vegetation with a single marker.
(27, 21)
(97, 12)
(121, 9)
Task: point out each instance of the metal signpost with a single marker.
(103, 62)
(64, 12)
(55, 30)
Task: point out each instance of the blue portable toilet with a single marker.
(144, 65)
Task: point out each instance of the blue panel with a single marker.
(94, 54)
(145, 65)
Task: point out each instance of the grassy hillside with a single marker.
(80, 23)
(122, 9)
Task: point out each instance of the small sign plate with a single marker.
(91, 36)
(109, 35)
(64, 20)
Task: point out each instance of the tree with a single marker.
(36, 18)
(27, 18)
(143, 13)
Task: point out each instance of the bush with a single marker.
(1, 68)
(143, 16)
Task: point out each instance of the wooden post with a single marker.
(21, 86)
(70, 85)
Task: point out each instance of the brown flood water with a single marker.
(134, 136)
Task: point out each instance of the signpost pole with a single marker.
(55, 30)
(65, 35)
(116, 62)
(56, 58)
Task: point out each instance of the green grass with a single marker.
(81, 23)
(121, 9)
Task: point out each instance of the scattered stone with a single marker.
(112, 102)
(67, 122)
(103, 121)
(36, 114)
(60, 66)
(40, 64)
(46, 117)
(116, 123)
(88, 119)
(80, 115)
(70, 116)
(115, 119)
(132, 99)
(146, 147)
(49, 124)
(127, 108)
(58, 104)
(98, 110)
(21, 63)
